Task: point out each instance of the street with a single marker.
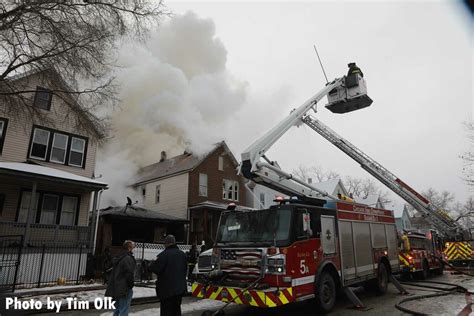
(451, 304)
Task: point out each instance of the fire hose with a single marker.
(443, 291)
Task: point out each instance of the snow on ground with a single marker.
(91, 295)
(185, 308)
(58, 287)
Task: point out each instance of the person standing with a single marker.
(121, 281)
(170, 268)
(353, 69)
(192, 259)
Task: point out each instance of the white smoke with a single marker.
(176, 94)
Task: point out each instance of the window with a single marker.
(262, 200)
(76, 154)
(230, 190)
(24, 205)
(49, 209)
(59, 148)
(220, 165)
(157, 196)
(3, 131)
(2, 201)
(68, 210)
(39, 147)
(43, 98)
(202, 184)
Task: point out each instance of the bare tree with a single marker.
(468, 157)
(314, 174)
(75, 39)
(464, 213)
(362, 188)
(440, 199)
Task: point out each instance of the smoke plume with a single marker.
(176, 94)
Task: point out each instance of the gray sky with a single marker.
(416, 58)
(233, 70)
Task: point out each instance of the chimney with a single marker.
(163, 156)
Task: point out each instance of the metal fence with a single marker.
(39, 264)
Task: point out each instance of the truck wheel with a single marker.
(381, 283)
(325, 292)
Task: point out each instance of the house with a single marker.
(135, 223)
(404, 222)
(332, 186)
(261, 197)
(194, 188)
(372, 200)
(47, 165)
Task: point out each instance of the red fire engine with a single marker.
(306, 247)
(420, 254)
(309, 247)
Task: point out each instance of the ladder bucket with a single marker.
(350, 105)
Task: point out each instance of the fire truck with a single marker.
(310, 246)
(420, 253)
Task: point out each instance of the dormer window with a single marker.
(43, 98)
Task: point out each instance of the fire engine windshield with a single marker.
(261, 227)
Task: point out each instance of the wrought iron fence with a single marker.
(39, 264)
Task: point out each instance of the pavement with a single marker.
(452, 304)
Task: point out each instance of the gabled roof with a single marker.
(330, 186)
(219, 206)
(370, 200)
(177, 165)
(79, 109)
(131, 211)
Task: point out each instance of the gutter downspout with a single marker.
(97, 197)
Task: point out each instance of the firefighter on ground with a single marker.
(353, 69)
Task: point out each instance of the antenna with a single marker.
(320, 63)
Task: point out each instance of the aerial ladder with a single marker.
(345, 94)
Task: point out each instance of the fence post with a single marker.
(41, 265)
(17, 263)
(141, 266)
(79, 265)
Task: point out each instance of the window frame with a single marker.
(40, 197)
(262, 203)
(220, 163)
(74, 212)
(73, 150)
(157, 193)
(33, 142)
(36, 98)
(4, 122)
(203, 185)
(49, 147)
(234, 188)
(42, 211)
(65, 149)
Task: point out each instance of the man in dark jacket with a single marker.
(121, 281)
(170, 268)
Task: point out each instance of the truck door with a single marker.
(328, 234)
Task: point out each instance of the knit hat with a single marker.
(170, 240)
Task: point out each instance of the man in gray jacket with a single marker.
(121, 282)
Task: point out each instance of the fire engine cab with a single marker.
(420, 254)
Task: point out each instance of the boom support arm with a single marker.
(269, 173)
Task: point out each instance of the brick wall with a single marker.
(214, 179)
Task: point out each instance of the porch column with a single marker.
(29, 216)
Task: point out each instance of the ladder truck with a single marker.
(308, 247)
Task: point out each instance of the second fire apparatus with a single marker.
(420, 253)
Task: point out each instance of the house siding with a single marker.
(19, 130)
(214, 179)
(173, 195)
